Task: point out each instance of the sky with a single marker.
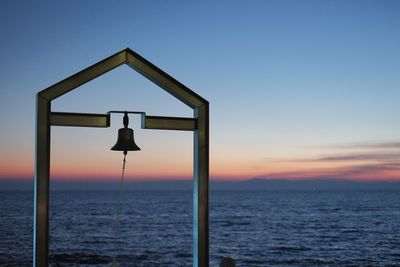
(297, 89)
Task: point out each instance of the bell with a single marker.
(125, 141)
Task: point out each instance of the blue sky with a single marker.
(287, 81)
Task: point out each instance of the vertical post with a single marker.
(200, 188)
(42, 173)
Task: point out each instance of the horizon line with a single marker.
(188, 179)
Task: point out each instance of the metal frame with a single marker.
(199, 124)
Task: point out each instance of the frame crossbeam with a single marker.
(103, 121)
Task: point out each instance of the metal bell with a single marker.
(125, 141)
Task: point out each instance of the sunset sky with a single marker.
(297, 89)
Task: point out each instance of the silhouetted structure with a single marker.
(199, 124)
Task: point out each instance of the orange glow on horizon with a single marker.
(106, 167)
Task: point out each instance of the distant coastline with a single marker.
(258, 184)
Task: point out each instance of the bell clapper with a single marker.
(124, 162)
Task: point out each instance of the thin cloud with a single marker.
(367, 156)
(342, 173)
(365, 145)
(361, 157)
(366, 159)
(369, 168)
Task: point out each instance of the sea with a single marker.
(256, 228)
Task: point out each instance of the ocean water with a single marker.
(310, 228)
